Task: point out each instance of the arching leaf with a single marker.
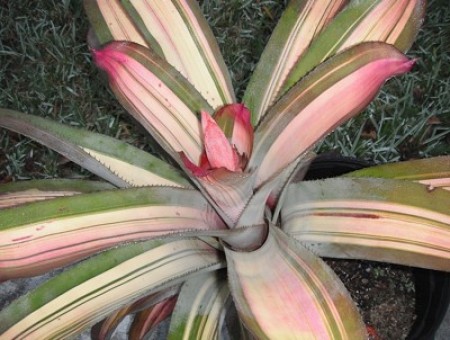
(18, 193)
(160, 98)
(175, 29)
(86, 293)
(434, 172)
(300, 23)
(385, 220)
(44, 235)
(117, 162)
(393, 22)
(330, 95)
(300, 297)
(148, 319)
(105, 329)
(200, 309)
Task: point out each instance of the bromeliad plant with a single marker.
(227, 228)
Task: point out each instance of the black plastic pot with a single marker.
(432, 287)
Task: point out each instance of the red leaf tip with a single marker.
(106, 57)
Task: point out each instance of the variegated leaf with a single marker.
(282, 291)
(177, 30)
(385, 220)
(45, 235)
(161, 99)
(266, 196)
(111, 22)
(394, 22)
(117, 162)
(89, 291)
(330, 95)
(229, 192)
(201, 307)
(434, 172)
(18, 193)
(300, 23)
(105, 329)
(148, 319)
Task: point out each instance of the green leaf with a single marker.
(300, 23)
(384, 220)
(434, 172)
(117, 162)
(45, 235)
(300, 297)
(394, 22)
(327, 97)
(18, 193)
(159, 97)
(91, 290)
(178, 32)
(200, 309)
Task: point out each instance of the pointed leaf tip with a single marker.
(220, 152)
(235, 122)
(100, 59)
(104, 57)
(334, 92)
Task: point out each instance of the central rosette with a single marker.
(227, 141)
(227, 147)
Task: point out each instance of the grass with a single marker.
(46, 70)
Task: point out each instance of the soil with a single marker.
(384, 294)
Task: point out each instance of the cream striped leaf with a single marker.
(386, 220)
(282, 291)
(327, 97)
(434, 172)
(177, 30)
(201, 307)
(300, 23)
(115, 161)
(68, 304)
(394, 22)
(162, 100)
(18, 193)
(44, 235)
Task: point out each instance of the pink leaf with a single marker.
(283, 291)
(234, 120)
(333, 93)
(219, 151)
